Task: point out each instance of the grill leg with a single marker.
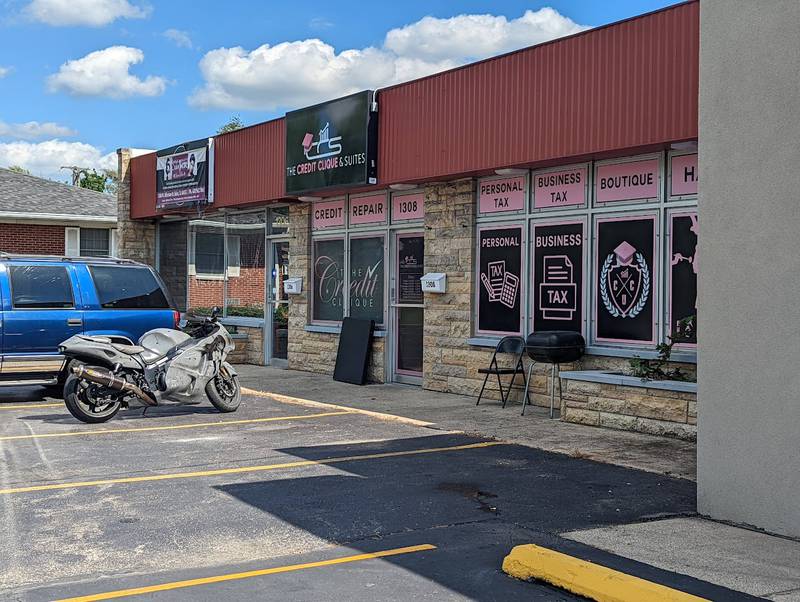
(552, 389)
(525, 399)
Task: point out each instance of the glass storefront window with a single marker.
(328, 302)
(206, 265)
(366, 278)
(246, 284)
(278, 221)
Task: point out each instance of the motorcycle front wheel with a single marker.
(224, 392)
(86, 401)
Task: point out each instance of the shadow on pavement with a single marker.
(477, 501)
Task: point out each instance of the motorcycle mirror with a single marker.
(215, 311)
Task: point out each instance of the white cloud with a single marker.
(32, 130)
(93, 13)
(477, 36)
(46, 158)
(106, 73)
(180, 38)
(294, 74)
(320, 23)
(4, 71)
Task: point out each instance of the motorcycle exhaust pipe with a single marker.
(101, 377)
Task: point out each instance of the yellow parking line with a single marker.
(162, 587)
(587, 579)
(28, 406)
(247, 469)
(171, 427)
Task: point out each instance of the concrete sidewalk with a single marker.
(450, 412)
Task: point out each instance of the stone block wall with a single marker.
(314, 351)
(631, 408)
(135, 239)
(249, 343)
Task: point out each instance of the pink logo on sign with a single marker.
(368, 209)
(627, 181)
(559, 188)
(507, 194)
(408, 206)
(327, 215)
(685, 175)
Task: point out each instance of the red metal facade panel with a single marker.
(249, 164)
(628, 85)
(143, 186)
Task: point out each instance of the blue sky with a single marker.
(165, 72)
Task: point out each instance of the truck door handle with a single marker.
(74, 322)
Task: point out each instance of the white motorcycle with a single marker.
(166, 365)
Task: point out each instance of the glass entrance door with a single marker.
(278, 304)
(407, 306)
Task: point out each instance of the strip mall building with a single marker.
(524, 179)
(555, 188)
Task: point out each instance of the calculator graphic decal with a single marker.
(502, 286)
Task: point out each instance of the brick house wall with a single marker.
(32, 238)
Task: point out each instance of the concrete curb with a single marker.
(531, 562)
(319, 404)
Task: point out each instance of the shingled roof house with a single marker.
(45, 217)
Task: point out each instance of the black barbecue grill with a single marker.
(552, 347)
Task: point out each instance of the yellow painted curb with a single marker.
(319, 404)
(585, 578)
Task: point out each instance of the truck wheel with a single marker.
(79, 397)
(224, 392)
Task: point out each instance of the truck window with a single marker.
(121, 287)
(40, 287)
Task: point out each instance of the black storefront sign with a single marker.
(410, 268)
(328, 300)
(182, 175)
(332, 145)
(683, 276)
(558, 276)
(499, 279)
(625, 280)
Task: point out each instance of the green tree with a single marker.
(234, 123)
(18, 169)
(112, 181)
(92, 180)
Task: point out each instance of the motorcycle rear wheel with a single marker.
(78, 397)
(224, 392)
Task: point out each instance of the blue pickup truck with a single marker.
(45, 300)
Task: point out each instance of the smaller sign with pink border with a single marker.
(501, 194)
(684, 175)
(408, 206)
(563, 188)
(368, 209)
(329, 214)
(630, 181)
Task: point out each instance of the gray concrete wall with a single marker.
(749, 289)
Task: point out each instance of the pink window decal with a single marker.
(408, 206)
(631, 181)
(368, 210)
(565, 188)
(684, 175)
(501, 195)
(329, 214)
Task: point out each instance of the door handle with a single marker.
(74, 322)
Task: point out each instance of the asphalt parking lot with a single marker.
(287, 502)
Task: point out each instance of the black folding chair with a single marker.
(513, 345)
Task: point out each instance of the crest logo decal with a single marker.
(625, 282)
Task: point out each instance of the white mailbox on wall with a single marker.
(434, 282)
(293, 286)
